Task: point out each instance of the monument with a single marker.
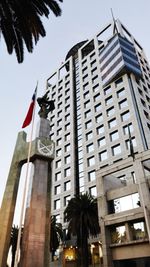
(36, 234)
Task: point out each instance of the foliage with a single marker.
(82, 215)
(20, 23)
(56, 235)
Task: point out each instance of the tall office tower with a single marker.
(102, 95)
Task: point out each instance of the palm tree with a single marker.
(82, 215)
(56, 235)
(20, 23)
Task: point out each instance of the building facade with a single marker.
(102, 104)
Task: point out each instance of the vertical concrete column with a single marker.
(103, 211)
(35, 245)
(10, 196)
(143, 192)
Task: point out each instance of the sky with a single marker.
(80, 20)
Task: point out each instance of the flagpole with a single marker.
(25, 186)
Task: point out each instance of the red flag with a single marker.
(28, 118)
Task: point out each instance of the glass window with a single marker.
(58, 164)
(67, 127)
(99, 118)
(133, 143)
(86, 95)
(121, 92)
(67, 172)
(116, 150)
(85, 86)
(107, 90)
(67, 159)
(103, 155)
(91, 161)
(67, 117)
(90, 148)
(102, 142)
(98, 107)
(87, 114)
(67, 148)
(123, 104)
(57, 189)
(112, 123)
(93, 191)
(57, 204)
(91, 176)
(59, 122)
(125, 116)
(126, 130)
(97, 97)
(89, 135)
(109, 100)
(67, 185)
(118, 82)
(100, 129)
(59, 142)
(58, 176)
(59, 132)
(110, 111)
(66, 200)
(114, 136)
(67, 108)
(67, 137)
(87, 104)
(58, 152)
(88, 124)
(95, 87)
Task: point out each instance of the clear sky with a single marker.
(80, 20)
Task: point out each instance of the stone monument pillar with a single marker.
(36, 234)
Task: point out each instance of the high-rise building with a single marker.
(101, 116)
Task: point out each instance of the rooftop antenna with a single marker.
(115, 25)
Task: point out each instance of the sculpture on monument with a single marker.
(46, 105)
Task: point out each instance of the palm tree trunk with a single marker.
(85, 252)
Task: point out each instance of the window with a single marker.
(121, 93)
(125, 116)
(67, 185)
(67, 117)
(99, 118)
(58, 152)
(86, 95)
(67, 148)
(67, 159)
(133, 143)
(88, 124)
(60, 105)
(126, 129)
(59, 132)
(100, 129)
(107, 90)
(67, 127)
(67, 137)
(98, 107)
(66, 200)
(116, 150)
(67, 172)
(91, 161)
(95, 87)
(93, 191)
(102, 142)
(57, 189)
(89, 135)
(114, 136)
(103, 155)
(118, 82)
(57, 218)
(95, 79)
(110, 111)
(67, 108)
(58, 176)
(58, 142)
(87, 114)
(57, 204)
(112, 123)
(91, 176)
(97, 97)
(85, 86)
(58, 164)
(90, 148)
(109, 100)
(87, 104)
(123, 104)
(59, 122)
